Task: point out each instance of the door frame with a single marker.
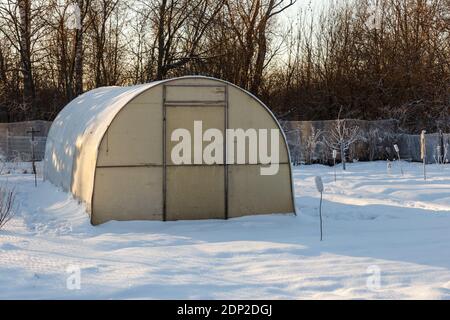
(167, 103)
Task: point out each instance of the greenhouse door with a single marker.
(193, 189)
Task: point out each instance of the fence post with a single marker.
(7, 143)
(441, 145)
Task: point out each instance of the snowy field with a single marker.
(392, 226)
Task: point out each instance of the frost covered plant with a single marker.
(439, 157)
(13, 164)
(341, 136)
(423, 152)
(444, 157)
(296, 149)
(397, 150)
(311, 144)
(3, 164)
(7, 205)
(294, 142)
(373, 140)
(334, 155)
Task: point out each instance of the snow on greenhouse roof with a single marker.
(84, 121)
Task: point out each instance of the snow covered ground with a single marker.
(392, 226)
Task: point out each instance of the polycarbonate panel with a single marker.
(127, 193)
(195, 192)
(193, 93)
(252, 193)
(245, 112)
(134, 137)
(183, 117)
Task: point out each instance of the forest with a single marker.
(372, 59)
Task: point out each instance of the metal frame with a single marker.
(151, 165)
(182, 104)
(225, 152)
(164, 155)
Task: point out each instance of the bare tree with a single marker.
(314, 139)
(251, 23)
(99, 15)
(19, 28)
(378, 57)
(2, 67)
(68, 27)
(24, 33)
(7, 205)
(179, 27)
(83, 6)
(23, 27)
(341, 136)
(381, 58)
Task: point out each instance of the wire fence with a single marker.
(306, 140)
(17, 142)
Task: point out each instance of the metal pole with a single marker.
(320, 214)
(225, 152)
(334, 169)
(334, 154)
(423, 152)
(164, 191)
(33, 158)
(400, 163)
(424, 170)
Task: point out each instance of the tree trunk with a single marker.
(78, 65)
(160, 72)
(343, 157)
(2, 67)
(25, 56)
(260, 59)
